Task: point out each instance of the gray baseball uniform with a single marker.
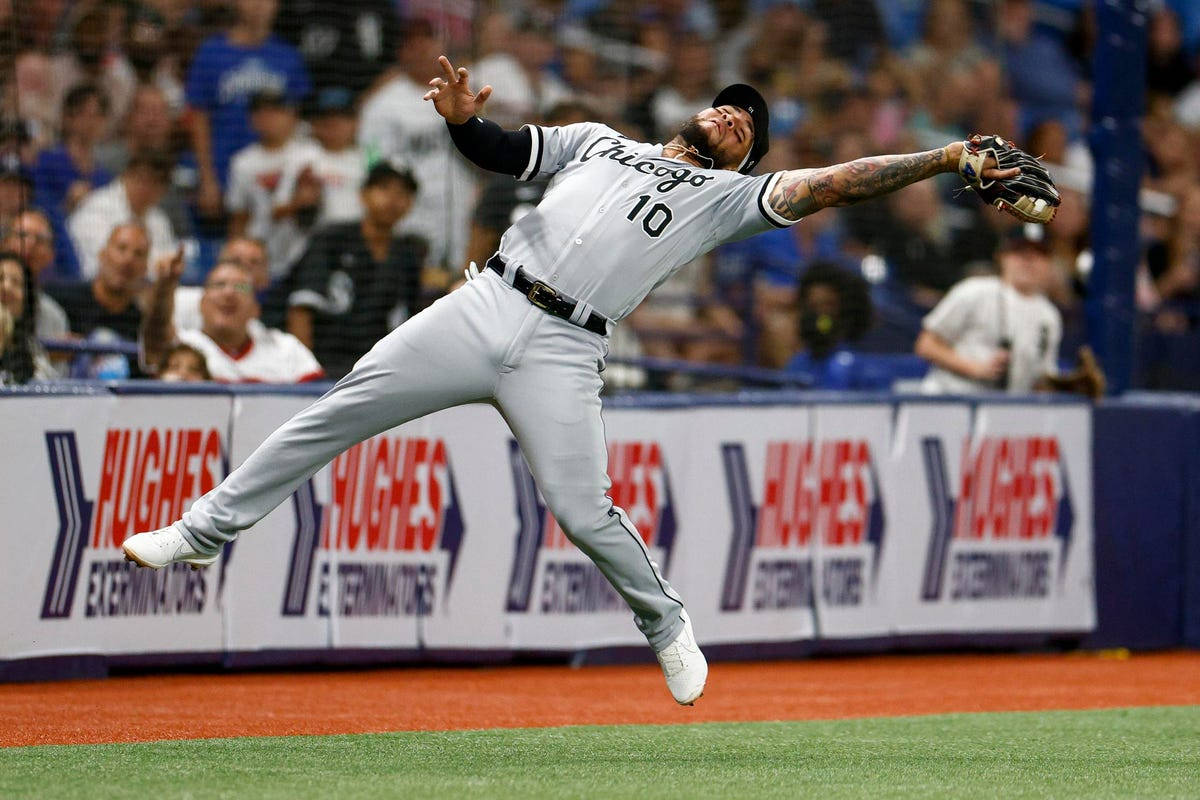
(617, 220)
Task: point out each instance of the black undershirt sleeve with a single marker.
(488, 145)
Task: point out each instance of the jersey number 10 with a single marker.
(655, 220)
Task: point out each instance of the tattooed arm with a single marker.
(801, 192)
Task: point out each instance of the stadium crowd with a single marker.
(254, 190)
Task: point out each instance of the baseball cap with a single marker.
(332, 100)
(269, 97)
(749, 100)
(1027, 235)
(384, 171)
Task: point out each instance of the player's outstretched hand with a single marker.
(451, 95)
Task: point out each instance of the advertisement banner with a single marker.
(774, 523)
(95, 470)
(368, 552)
(747, 524)
(843, 496)
(997, 505)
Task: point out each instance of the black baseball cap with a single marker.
(749, 100)
(269, 98)
(384, 171)
(331, 100)
(1029, 234)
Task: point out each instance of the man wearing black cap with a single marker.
(996, 333)
(358, 280)
(530, 333)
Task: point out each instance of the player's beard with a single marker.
(693, 136)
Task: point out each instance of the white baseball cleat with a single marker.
(684, 666)
(163, 547)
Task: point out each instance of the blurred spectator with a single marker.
(134, 195)
(358, 280)
(398, 125)
(65, 174)
(237, 348)
(1068, 162)
(106, 308)
(768, 46)
(246, 252)
(516, 62)
(32, 239)
(1174, 264)
(834, 310)
(1042, 76)
(1168, 68)
(1172, 163)
(183, 363)
(149, 47)
(902, 20)
(947, 39)
(95, 55)
(915, 239)
(16, 190)
(33, 97)
(21, 356)
(686, 317)
(17, 148)
(998, 333)
(759, 278)
(689, 86)
(323, 182)
(227, 70)
(855, 32)
(150, 128)
(344, 42)
(255, 176)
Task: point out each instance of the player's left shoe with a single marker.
(684, 666)
(163, 547)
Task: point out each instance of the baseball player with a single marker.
(528, 334)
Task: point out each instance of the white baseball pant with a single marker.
(483, 343)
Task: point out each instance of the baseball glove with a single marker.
(1086, 379)
(1030, 196)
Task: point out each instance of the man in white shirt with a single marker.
(133, 196)
(236, 346)
(256, 173)
(996, 333)
(246, 251)
(396, 124)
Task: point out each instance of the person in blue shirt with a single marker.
(63, 175)
(228, 68)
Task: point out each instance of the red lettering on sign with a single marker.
(387, 494)
(149, 476)
(1009, 488)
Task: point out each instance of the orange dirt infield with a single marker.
(132, 709)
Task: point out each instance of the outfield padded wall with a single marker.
(785, 519)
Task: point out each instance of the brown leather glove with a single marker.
(1086, 379)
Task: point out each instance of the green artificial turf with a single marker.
(1144, 752)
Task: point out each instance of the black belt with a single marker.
(549, 299)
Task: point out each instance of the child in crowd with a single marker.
(324, 189)
(183, 364)
(255, 176)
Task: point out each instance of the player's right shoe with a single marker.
(684, 666)
(163, 547)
